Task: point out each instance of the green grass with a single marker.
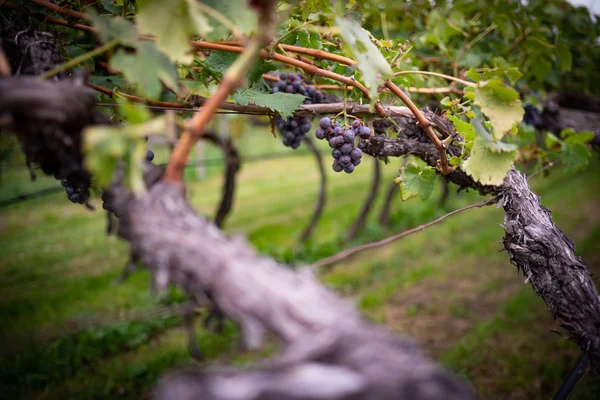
(57, 265)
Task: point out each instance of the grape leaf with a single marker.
(172, 23)
(146, 68)
(463, 128)
(575, 155)
(371, 63)
(500, 104)
(564, 57)
(573, 137)
(220, 61)
(258, 69)
(487, 166)
(237, 12)
(283, 103)
(494, 145)
(114, 28)
(311, 40)
(416, 180)
(315, 6)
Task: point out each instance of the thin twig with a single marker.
(444, 76)
(329, 261)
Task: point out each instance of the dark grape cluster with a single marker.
(77, 187)
(345, 155)
(295, 128)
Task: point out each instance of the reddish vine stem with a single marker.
(232, 79)
(423, 123)
(61, 10)
(47, 19)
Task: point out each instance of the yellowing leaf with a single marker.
(170, 23)
(416, 180)
(487, 166)
(501, 105)
(371, 63)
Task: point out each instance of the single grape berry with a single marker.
(320, 134)
(325, 123)
(364, 132)
(349, 168)
(337, 167)
(356, 153)
(336, 153)
(150, 155)
(349, 136)
(345, 161)
(347, 148)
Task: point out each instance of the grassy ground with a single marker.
(448, 287)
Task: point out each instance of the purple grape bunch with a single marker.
(345, 155)
(294, 129)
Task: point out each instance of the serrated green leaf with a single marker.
(371, 63)
(200, 20)
(540, 68)
(194, 87)
(283, 103)
(513, 74)
(133, 113)
(258, 69)
(220, 61)
(416, 180)
(576, 156)
(564, 57)
(314, 6)
(112, 6)
(311, 40)
(171, 25)
(110, 28)
(473, 75)
(237, 12)
(455, 161)
(487, 166)
(145, 69)
(463, 128)
(490, 142)
(500, 106)
(580, 137)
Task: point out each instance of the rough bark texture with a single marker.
(30, 52)
(320, 204)
(330, 352)
(232, 166)
(361, 219)
(548, 261)
(413, 140)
